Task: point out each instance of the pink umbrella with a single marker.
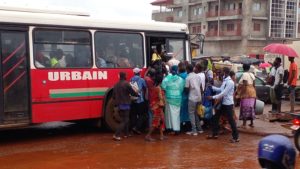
(279, 48)
(265, 65)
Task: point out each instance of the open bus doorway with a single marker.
(168, 47)
(14, 86)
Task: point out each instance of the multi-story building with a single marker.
(233, 27)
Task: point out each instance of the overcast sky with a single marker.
(134, 9)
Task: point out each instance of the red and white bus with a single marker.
(61, 66)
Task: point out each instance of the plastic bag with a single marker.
(200, 110)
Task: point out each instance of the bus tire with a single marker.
(297, 139)
(111, 116)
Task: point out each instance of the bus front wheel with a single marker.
(111, 116)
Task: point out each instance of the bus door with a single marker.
(14, 88)
(173, 43)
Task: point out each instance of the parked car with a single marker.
(262, 89)
(286, 93)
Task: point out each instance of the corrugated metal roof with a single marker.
(159, 2)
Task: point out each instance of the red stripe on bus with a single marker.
(19, 77)
(14, 67)
(13, 53)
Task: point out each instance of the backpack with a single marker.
(285, 76)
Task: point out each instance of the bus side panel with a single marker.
(70, 94)
(66, 111)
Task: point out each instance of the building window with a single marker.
(230, 27)
(290, 29)
(277, 29)
(290, 5)
(179, 13)
(256, 6)
(230, 6)
(194, 29)
(200, 11)
(199, 29)
(197, 11)
(256, 27)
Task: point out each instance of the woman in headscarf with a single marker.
(184, 114)
(247, 94)
(173, 86)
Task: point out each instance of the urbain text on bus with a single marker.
(76, 75)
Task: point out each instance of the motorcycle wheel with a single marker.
(297, 139)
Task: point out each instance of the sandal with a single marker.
(211, 137)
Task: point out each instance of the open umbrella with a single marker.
(282, 49)
(265, 65)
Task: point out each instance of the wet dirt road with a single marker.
(73, 146)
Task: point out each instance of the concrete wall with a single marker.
(162, 16)
(255, 47)
(223, 48)
(176, 17)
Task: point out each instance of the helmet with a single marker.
(276, 152)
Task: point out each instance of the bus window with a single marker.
(62, 49)
(119, 50)
(176, 47)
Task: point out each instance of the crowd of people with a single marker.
(277, 78)
(182, 97)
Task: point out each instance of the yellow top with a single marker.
(53, 62)
(155, 57)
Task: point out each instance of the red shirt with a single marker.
(293, 81)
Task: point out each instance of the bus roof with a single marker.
(77, 19)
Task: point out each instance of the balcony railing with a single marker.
(224, 13)
(169, 19)
(213, 33)
(237, 32)
(211, 14)
(231, 12)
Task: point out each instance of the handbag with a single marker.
(200, 110)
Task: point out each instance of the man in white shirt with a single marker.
(202, 78)
(278, 84)
(192, 86)
(271, 78)
(227, 91)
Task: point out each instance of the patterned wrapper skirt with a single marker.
(158, 120)
(247, 109)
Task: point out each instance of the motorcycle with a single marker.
(296, 129)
